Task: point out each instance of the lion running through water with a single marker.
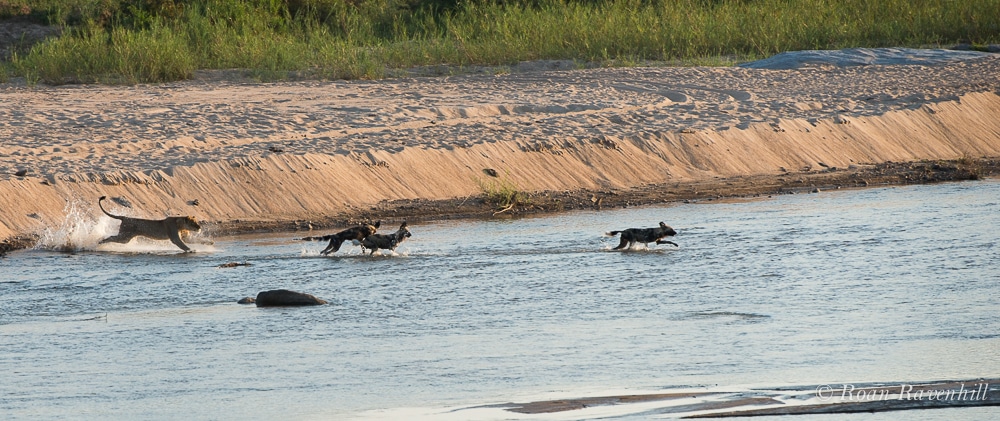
(170, 228)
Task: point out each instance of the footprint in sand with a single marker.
(675, 96)
(737, 95)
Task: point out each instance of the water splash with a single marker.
(77, 231)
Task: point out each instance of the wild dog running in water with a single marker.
(357, 233)
(385, 241)
(170, 228)
(644, 235)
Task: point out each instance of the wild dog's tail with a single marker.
(100, 205)
(323, 238)
(612, 233)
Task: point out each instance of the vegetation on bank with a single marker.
(135, 41)
(502, 194)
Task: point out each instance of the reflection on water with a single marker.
(890, 284)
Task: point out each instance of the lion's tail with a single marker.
(100, 205)
(612, 233)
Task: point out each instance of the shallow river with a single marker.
(889, 284)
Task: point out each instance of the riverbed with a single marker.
(875, 285)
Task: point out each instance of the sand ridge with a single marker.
(311, 149)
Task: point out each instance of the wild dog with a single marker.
(644, 235)
(385, 241)
(357, 233)
(170, 228)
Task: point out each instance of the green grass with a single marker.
(503, 195)
(135, 41)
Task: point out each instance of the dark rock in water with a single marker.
(284, 297)
(246, 300)
(233, 264)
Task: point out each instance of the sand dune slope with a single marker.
(226, 151)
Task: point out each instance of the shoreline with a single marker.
(554, 202)
(718, 189)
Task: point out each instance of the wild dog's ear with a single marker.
(377, 223)
(403, 225)
(662, 225)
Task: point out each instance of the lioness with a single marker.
(384, 241)
(357, 233)
(644, 235)
(169, 228)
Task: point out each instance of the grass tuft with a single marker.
(971, 167)
(503, 195)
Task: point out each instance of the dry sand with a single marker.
(243, 156)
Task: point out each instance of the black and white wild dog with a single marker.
(644, 235)
(384, 241)
(351, 234)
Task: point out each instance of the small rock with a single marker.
(490, 172)
(816, 190)
(246, 300)
(233, 264)
(21, 173)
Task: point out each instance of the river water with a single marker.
(887, 284)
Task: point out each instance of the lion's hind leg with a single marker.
(120, 238)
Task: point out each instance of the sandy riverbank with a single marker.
(245, 156)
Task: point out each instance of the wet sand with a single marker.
(792, 400)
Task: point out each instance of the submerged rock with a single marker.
(246, 300)
(284, 297)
